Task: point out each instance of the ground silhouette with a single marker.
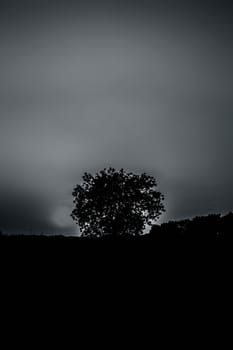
(199, 247)
(200, 229)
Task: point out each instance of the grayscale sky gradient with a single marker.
(146, 86)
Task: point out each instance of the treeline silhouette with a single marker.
(199, 229)
(213, 227)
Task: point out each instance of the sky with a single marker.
(140, 85)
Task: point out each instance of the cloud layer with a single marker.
(81, 90)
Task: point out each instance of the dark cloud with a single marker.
(24, 213)
(85, 85)
(144, 7)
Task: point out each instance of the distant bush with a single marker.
(201, 228)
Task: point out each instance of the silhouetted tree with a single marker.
(116, 202)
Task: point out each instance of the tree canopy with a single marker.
(116, 202)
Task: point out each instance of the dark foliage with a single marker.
(116, 202)
(213, 227)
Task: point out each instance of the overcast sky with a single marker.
(86, 84)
